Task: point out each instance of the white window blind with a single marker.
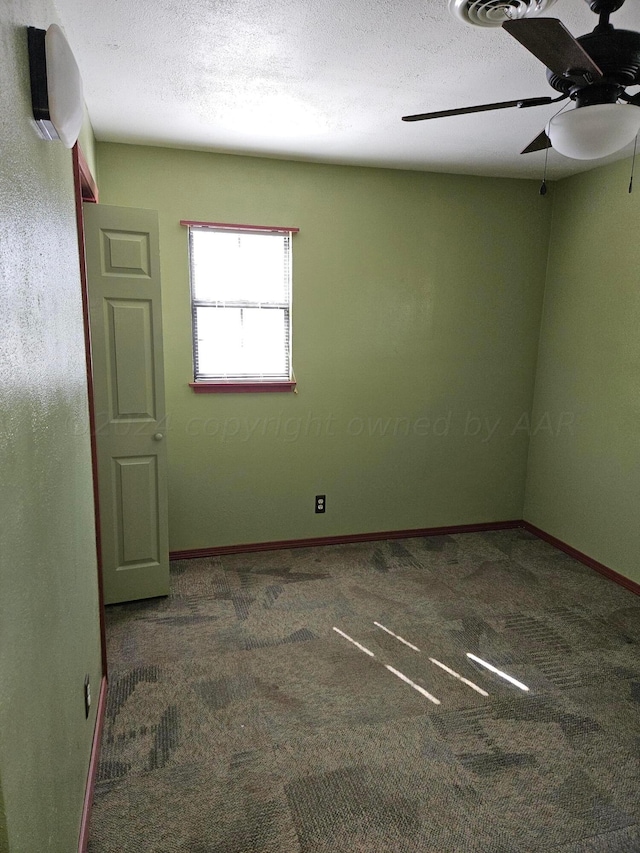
(241, 302)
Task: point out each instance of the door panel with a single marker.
(123, 272)
(136, 487)
(130, 358)
(125, 253)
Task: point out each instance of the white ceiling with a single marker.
(325, 81)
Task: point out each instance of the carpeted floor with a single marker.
(239, 721)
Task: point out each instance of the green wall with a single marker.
(584, 477)
(417, 302)
(49, 630)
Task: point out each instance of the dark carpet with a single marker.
(239, 721)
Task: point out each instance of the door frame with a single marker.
(86, 190)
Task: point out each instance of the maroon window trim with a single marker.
(192, 223)
(231, 387)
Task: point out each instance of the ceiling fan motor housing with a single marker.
(617, 54)
(605, 7)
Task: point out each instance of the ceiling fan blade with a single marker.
(482, 108)
(551, 42)
(541, 142)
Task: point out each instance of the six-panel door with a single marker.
(123, 271)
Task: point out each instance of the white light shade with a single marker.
(587, 133)
(64, 87)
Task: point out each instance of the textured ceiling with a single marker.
(322, 81)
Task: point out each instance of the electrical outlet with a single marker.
(87, 696)
(321, 503)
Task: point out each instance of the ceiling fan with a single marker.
(594, 70)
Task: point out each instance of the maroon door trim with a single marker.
(86, 190)
(83, 839)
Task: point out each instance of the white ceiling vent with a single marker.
(492, 13)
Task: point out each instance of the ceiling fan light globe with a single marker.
(589, 133)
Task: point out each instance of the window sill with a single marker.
(230, 387)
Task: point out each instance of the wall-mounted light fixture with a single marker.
(56, 86)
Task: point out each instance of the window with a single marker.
(241, 306)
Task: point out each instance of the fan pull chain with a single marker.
(543, 186)
(633, 164)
